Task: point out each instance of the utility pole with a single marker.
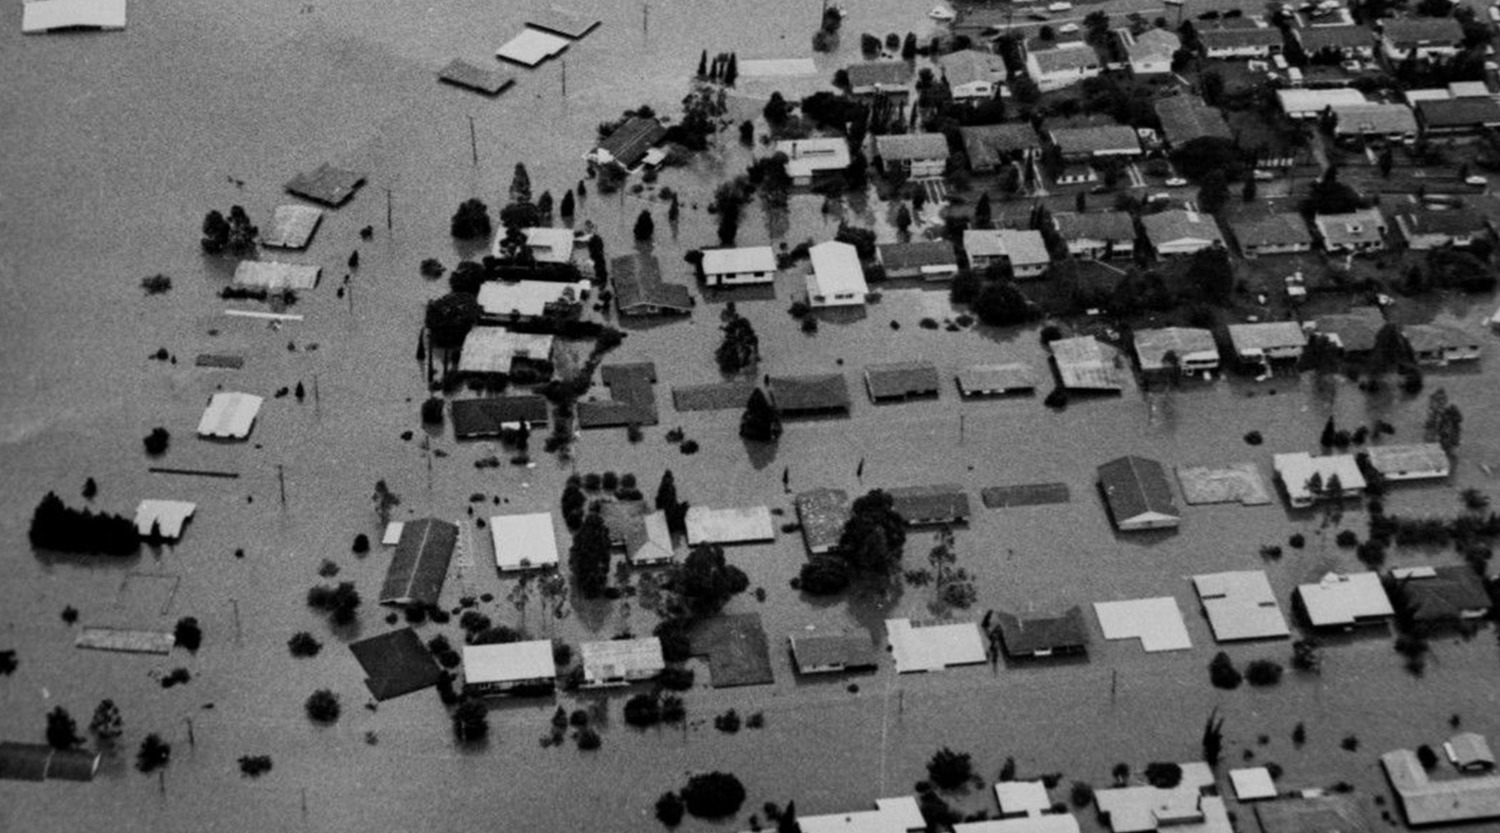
(317, 400)
(192, 742)
(565, 77)
(473, 142)
(281, 480)
(645, 18)
(388, 209)
(960, 423)
(238, 634)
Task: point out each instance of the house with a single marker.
(1438, 595)
(891, 815)
(546, 245)
(510, 667)
(918, 154)
(930, 260)
(1358, 231)
(1346, 42)
(1024, 250)
(1054, 69)
(901, 380)
(419, 566)
(639, 289)
(820, 393)
(1427, 229)
(822, 514)
(229, 416)
(1189, 806)
(837, 279)
(1391, 122)
(1096, 234)
(995, 380)
(1440, 344)
(1418, 461)
(1241, 41)
(879, 77)
(1087, 364)
(163, 520)
(973, 75)
(730, 525)
(491, 416)
(830, 652)
(617, 662)
(1457, 116)
(943, 504)
(1426, 37)
(647, 539)
(990, 146)
(1150, 52)
(1191, 350)
(532, 300)
(1018, 799)
(524, 542)
(1043, 636)
(1240, 605)
(627, 144)
(1139, 494)
(1092, 142)
(42, 16)
(1449, 801)
(1178, 232)
(489, 350)
(1040, 823)
(739, 267)
(1267, 341)
(1186, 117)
(807, 159)
(1308, 479)
(1353, 332)
(1327, 813)
(1469, 751)
(934, 646)
(1311, 104)
(1271, 234)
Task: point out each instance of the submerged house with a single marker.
(640, 290)
(1440, 344)
(1043, 636)
(901, 380)
(1439, 595)
(930, 260)
(419, 566)
(1310, 479)
(1176, 349)
(1096, 234)
(837, 278)
(1344, 600)
(825, 652)
(1087, 364)
(739, 267)
(513, 667)
(1139, 494)
(1267, 341)
(627, 144)
(618, 662)
(930, 505)
(808, 159)
(1447, 801)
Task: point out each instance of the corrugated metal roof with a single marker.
(1135, 487)
(419, 565)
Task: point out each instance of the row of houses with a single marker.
(1462, 108)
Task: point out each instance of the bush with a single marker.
(675, 678)
(156, 442)
(471, 221)
(340, 603)
(669, 809)
(432, 269)
(824, 575)
(1082, 794)
(728, 722)
(1426, 757)
(156, 284)
(1297, 541)
(673, 711)
(1222, 673)
(950, 770)
(713, 795)
(188, 634)
(588, 740)
(432, 411)
(154, 754)
(1347, 538)
(471, 722)
(254, 766)
(643, 710)
(323, 707)
(304, 644)
(1263, 672)
(1163, 776)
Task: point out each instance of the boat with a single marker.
(941, 13)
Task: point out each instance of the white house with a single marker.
(1180, 232)
(1267, 341)
(807, 158)
(1194, 349)
(617, 662)
(837, 278)
(497, 669)
(1024, 250)
(1097, 234)
(547, 245)
(1300, 472)
(1439, 344)
(973, 75)
(1054, 69)
(524, 542)
(1150, 52)
(739, 267)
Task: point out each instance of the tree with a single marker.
(1213, 87)
(823, 575)
(703, 65)
(471, 221)
(471, 721)
(760, 422)
(903, 218)
(787, 823)
(55, 526)
(1444, 421)
(1198, 158)
(467, 277)
(589, 556)
(322, 706)
(643, 710)
(776, 110)
(106, 725)
(1212, 272)
(340, 603)
(520, 185)
(645, 227)
(1329, 196)
(154, 754)
(1247, 191)
(873, 536)
(1386, 161)
(215, 233)
(385, 500)
(950, 770)
(669, 807)
(1263, 672)
(740, 348)
(188, 634)
(62, 730)
(157, 441)
(450, 318)
(666, 501)
(1000, 304)
(705, 581)
(713, 795)
(1163, 776)
(304, 644)
(1096, 24)
(1213, 738)
(1213, 193)
(982, 211)
(1222, 673)
(731, 70)
(1330, 432)
(566, 208)
(909, 47)
(1080, 201)
(516, 216)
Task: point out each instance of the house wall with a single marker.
(1243, 51)
(1034, 270)
(1179, 248)
(1425, 52)
(974, 89)
(1151, 67)
(926, 167)
(1146, 522)
(738, 278)
(1253, 251)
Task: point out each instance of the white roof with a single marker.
(291, 226)
(1314, 101)
(934, 647)
(492, 349)
(1495, 319)
(524, 542)
(1428, 94)
(1409, 462)
(1296, 468)
(1050, 823)
(734, 261)
(528, 298)
(276, 277)
(511, 662)
(983, 243)
(167, 515)
(615, 658)
(1024, 247)
(1022, 797)
(1181, 808)
(808, 156)
(729, 526)
(836, 271)
(891, 815)
(229, 415)
(1240, 605)
(531, 47)
(46, 15)
(776, 67)
(1469, 89)
(1252, 783)
(1157, 623)
(1343, 598)
(392, 535)
(1266, 335)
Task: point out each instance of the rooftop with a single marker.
(638, 285)
(974, 380)
(1342, 599)
(1185, 117)
(1439, 802)
(1095, 140)
(913, 147)
(1266, 335)
(985, 144)
(1409, 461)
(1136, 809)
(1377, 118)
(729, 526)
(901, 379)
(969, 65)
(734, 261)
(1108, 226)
(879, 74)
(419, 566)
(628, 143)
(819, 392)
(917, 254)
(620, 658)
(1186, 343)
(1137, 489)
(822, 513)
(488, 416)
(528, 299)
(1240, 605)
(826, 649)
(1324, 814)
(1439, 594)
(229, 415)
(1086, 363)
(1421, 31)
(1459, 112)
(1299, 469)
(919, 646)
(1034, 634)
(927, 504)
(1353, 331)
(1278, 229)
(1157, 623)
(1054, 61)
(524, 542)
(512, 662)
(1176, 225)
(494, 349)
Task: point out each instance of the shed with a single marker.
(901, 380)
(995, 380)
(1042, 635)
(461, 73)
(737, 267)
(229, 416)
(163, 519)
(1240, 605)
(946, 503)
(1343, 600)
(1417, 461)
(1252, 783)
(272, 276)
(531, 47)
(524, 542)
(490, 416)
(820, 393)
(497, 669)
(822, 514)
(292, 226)
(934, 646)
(419, 566)
(1139, 494)
(829, 652)
(616, 662)
(395, 663)
(326, 184)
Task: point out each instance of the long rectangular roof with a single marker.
(820, 392)
(638, 283)
(531, 47)
(984, 144)
(1186, 117)
(1439, 802)
(1377, 118)
(616, 658)
(879, 73)
(524, 542)
(1137, 487)
(1440, 594)
(918, 646)
(292, 226)
(52, 15)
(1051, 61)
(488, 416)
(1266, 335)
(1409, 461)
(1276, 229)
(815, 649)
(1459, 112)
(915, 147)
(419, 566)
(1341, 599)
(836, 270)
(493, 349)
(1297, 468)
(898, 379)
(1407, 32)
(511, 662)
(735, 261)
(921, 504)
(1107, 226)
(1102, 138)
(1026, 635)
(917, 254)
(229, 415)
(276, 277)
(529, 299)
(1240, 605)
(734, 525)
(629, 142)
(1176, 225)
(40, 762)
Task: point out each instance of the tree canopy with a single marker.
(874, 535)
(705, 582)
(589, 556)
(760, 421)
(471, 221)
(1197, 158)
(450, 318)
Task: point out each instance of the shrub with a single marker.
(643, 710)
(432, 269)
(824, 575)
(471, 723)
(188, 634)
(728, 722)
(713, 795)
(1305, 655)
(1163, 776)
(62, 730)
(669, 809)
(254, 766)
(156, 442)
(673, 711)
(323, 706)
(471, 221)
(588, 740)
(1222, 673)
(1263, 672)
(1426, 756)
(1082, 794)
(304, 644)
(432, 411)
(154, 754)
(675, 678)
(106, 725)
(950, 770)
(156, 284)
(1297, 541)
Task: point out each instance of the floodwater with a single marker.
(116, 144)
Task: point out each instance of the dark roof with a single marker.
(928, 504)
(917, 254)
(1453, 222)
(1185, 118)
(1136, 486)
(1459, 112)
(632, 397)
(1024, 636)
(1102, 138)
(1406, 32)
(461, 73)
(1318, 38)
(884, 73)
(327, 185)
(39, 762)
(819, 392)
(822, 513)
(630, 141)
(1325, 814)
(986, 143)
(639, 287)
(901, 379)
(1240, 36)
(395, 663)
(420, 563)
(1095, 225)
(849, 650)
(1354, 330)
(565, 23)
(483, 417)
(1280, 229)
(1443, 597)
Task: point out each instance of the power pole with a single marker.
(473, 142)
(645, 18)
(238, 634)
(388, 209)
(317, 400)
(192, 742)
(565, 78)
(281, 480)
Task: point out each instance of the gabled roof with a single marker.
(419, 565)
(1353, 331)
(915, 147)
(1103, 138)
(1108, 226)
(620, 658)
(1454, 222)
(1186, 117)
(1152, 346)
(1050, 61)
(816, 649)
(882, 73)
(1470, 749)
(917, 254)
(630, 141)
(1266, 335)
(1324, 814)
(1409, 462)
(1086, 363)
(1177, 224)
(1428, 338)
(897, 379)
(1280, 229)
(969, 65)
(1023, 247)
(818, 392)
(1153, 45)
(921, 504)
(1407, 32)
(836, 270)
(1459, 112)
(985, 144)
(1439, 594)
(1353, 228)
(638, 285)
(1027, 635)
(1136, 487)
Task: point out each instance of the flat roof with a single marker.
(729, 526)
(777, 67)
(1439, 802)
(494, 349)
(229, 415)
(40, 762)
(165, 516)
(891, 815)
(735, 261)
(1049, 823)
(1342, 599)
(1228, 483)
(39, 16)
(836, 271)
(932, 647)
(487, 80)
(1240, 605)
(512, 662)
(419, 566)
(395, 663)
(1298, 468)
(274, 276)
(524, 542)
(531, 47)
(1324, 814)
(1409, 462)
(1141, 808)
(980, 379)
(125, 640)
(822, 514)
(528, 298)
(563, 21)
(292, 226)
(1156, 622)
(924, 504)
(1022, 797)
(1294, 101)
(820, 649)
(1252, 783)
(616, 658)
